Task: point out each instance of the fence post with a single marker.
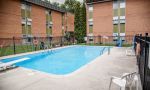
(146, 62)
(61, 40)
(14, 46)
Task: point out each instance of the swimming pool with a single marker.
(60, 61)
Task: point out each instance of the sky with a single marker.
(62, 1)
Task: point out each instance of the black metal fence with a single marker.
(15, 45)
(144, 60)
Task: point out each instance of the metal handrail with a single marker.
(101, 52)
(143, 40)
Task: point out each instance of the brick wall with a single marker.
(38, 17)
(102, 18)
(137, 16)
(70, 22)
(57, 23)
(10, 18)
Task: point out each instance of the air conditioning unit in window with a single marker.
(90, 34)
(29, 19)
(63, 27)
(51, 23)
(90, 20)
(29, 23)
(23, 21)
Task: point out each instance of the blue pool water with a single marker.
(60, 61)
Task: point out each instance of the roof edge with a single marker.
(99, 1)
(45, 4)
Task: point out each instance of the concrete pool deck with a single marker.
(93, 76)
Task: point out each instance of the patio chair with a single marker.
(126, 80)
(130, 51)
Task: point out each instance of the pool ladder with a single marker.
(102, 51)
(50, 51)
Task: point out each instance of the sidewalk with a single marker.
(93, 76)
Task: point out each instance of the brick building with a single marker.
(117, 17)
(33, 18)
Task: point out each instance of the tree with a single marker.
(55, 4)
(63, 6)
(70, 5)
(83, 22)
(79, 10)
(78, 27)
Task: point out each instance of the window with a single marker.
(90, 15)
(90, 8)
(23, 29)
(122, 28)
(48, 16)
(91, 28)
(29, 29)
(49, 30)
(90, 11)
(25, 10)
(115, 28)
(119, 12)
(49, 22)
(116, 9)
(23, 6)
(22, 13)
(26, 15)
(115, 12)
(115, 4)
(122, 11)
(122, 3)
(28, 11)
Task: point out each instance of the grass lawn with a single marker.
(19, 49)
